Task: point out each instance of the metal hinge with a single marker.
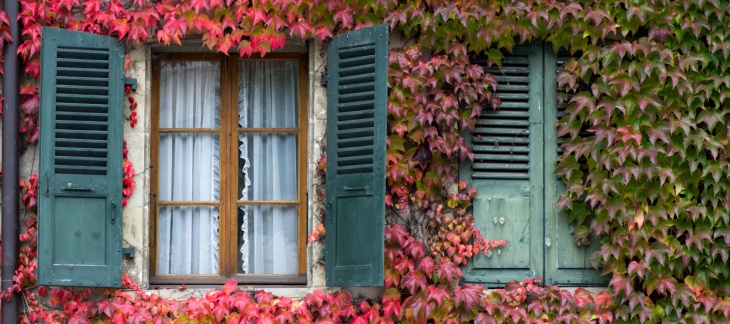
(325, 79)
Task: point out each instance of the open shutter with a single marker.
(565, 262)
(507, 171)
(80, 218)
(356, 125)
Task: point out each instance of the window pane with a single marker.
(268, 239)
(268, 94)
(188, 240)
(189, 167)
(190, 95)
(268, 166)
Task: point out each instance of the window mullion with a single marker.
(229, 83)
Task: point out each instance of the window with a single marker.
(228, 169)
(516, 148)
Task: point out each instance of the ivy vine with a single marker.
(646, 152)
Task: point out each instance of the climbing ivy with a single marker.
(645, 154)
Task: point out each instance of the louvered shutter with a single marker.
(356, 126)
(507, 144)
(80, 194)
(565, 262)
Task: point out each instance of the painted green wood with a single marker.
(565, 262)
(80, 185)
(356, 128)
(506, 172)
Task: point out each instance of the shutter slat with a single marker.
(505, 114)
(344, 143)
(501, 157)
(77, 89)
(357, 70)
(350, 115)
(355, 106)
(357, 61)
(513, 96)
(501, 175)
(366, 150)
(358, 87)
(510, 80)
(358, 78)
(507, 141)
(76, 151)
(499, 131)
(357, 51)
(505, 88)
(357, 96)
(501, 122)
(501, 149)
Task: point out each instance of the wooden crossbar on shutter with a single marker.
(80, 196)
(501, 137)
(356, 126)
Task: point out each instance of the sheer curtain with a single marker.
(189, 168)
(268, 98)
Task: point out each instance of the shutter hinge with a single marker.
(131, 82)
(325, 79)
(128, 251)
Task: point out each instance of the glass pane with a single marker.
(268, 240)
(268, 166)
(189, 167)
(190, 95)
(187, 241)
(268, 94)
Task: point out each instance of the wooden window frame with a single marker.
(228, 205)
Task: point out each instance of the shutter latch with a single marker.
(131, 82)
(128, 251)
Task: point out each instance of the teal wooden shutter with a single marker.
(507, 173)
(356, 125)
(566, 263)
(80, 194)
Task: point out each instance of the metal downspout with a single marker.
(10, 161)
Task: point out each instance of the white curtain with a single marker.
(268, 98)
(189, 168)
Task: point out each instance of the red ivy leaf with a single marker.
(230, 286)
(448, 271)
(414, 280)
(468, 295)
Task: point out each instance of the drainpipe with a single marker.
(10, 162)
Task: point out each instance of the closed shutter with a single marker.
(566, 263)
(516, 150)
(80, 218)
(508, 145)
(356, 127)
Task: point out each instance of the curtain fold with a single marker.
(268, 98)
(189, 168)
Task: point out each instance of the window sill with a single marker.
(217, 281)
(293, 292)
